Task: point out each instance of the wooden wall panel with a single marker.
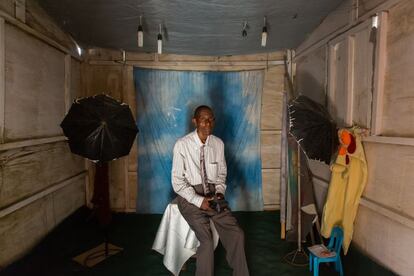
(75, 82)
(350, 76)
(272, 99)
(271, 124)
(90, 167)
(7, 6)
(140, 56)
(133, 158)
(129, 97)
(171, 57)
(334, 21)
(38, 19)
(106, 54)
(41, 181)
(362, 76)
(270, 150)
(129, 93)
(338, 80)
(105, 79)
(34, 85)
(2, 77)
(398, 119)
(271, 189)
(385, 240)
(132, 188)
(23, 229)
(26, 171)
(117, 180)
(257, 57)
(67, 200)
(311, 75)
(365, 6)
(390, 176)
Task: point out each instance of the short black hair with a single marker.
(200, 108)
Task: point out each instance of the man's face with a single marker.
(204, 122)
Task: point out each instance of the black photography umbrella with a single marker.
(313, 128)
(101, 129)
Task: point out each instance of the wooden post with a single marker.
(379, 74)
(20, 10)
(68, 60)
(2, 78)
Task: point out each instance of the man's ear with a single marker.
(194, 122)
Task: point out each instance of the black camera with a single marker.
(219, 205)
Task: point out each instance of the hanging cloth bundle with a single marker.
(348, 180)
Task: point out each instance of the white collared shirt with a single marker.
(186, 166)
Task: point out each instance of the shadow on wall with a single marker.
(309, 86)
(316, 90)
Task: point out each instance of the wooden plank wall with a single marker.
(106, 71)
(41, 182)
(271, 125)
(380, 99)
(310, 81)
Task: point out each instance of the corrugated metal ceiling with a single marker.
(192, 27)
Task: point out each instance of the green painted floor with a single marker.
(135, 233)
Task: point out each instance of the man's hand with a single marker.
(206, 204)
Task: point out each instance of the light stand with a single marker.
(298, 257)
(101, 201)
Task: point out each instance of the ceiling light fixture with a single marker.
(374, 23)
(140, 33)
(159, 41)
(264, 33)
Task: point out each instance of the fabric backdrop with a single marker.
(165, 104)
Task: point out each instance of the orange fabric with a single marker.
(345, 137)
(342, 151)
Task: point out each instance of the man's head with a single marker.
(203, 120)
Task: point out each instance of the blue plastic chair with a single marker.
(335, 244)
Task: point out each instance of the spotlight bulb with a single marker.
(159, 43)
(264, 36)
(140, 36)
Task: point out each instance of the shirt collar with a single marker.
(198, 141)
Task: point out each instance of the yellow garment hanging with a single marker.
(345, 189)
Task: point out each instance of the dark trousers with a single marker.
(231, 236)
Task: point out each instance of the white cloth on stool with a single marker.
(176, 240)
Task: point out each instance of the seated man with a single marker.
(198, 174)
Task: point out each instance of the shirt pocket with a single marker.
(211, 156)
(212, 171)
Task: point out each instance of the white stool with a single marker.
(175, 239)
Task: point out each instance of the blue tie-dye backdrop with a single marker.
(165, 104)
